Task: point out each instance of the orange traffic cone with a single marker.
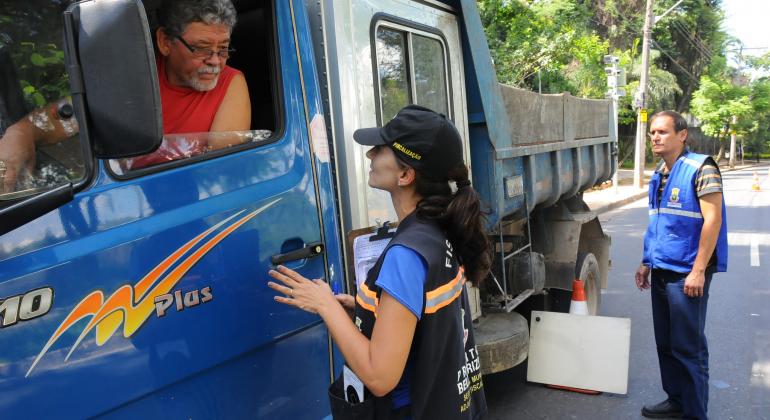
(579, 305)
(755, 183)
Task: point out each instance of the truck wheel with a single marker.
(587, 269)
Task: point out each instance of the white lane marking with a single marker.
(745, 238)
(751, 240)
(754, 251)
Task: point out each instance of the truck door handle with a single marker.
(310, 251)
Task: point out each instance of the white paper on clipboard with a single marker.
(366, 253)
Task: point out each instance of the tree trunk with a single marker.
(721, 153)
(685, 96)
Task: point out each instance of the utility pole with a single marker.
(616, 80)
(640, 101)
(732, 143)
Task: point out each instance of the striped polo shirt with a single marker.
(707, 181)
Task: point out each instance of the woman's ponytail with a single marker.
(461, 216)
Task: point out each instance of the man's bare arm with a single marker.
(711, 209)
(234, 114)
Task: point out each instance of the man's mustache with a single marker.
(208, 70)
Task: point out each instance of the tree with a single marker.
(545, 43)
(690, 40)
(724, 96)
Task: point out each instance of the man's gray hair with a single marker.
(175, 15)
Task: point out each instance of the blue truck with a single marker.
(134, 292)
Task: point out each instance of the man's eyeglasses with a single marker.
(205, 53)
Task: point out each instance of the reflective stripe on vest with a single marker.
(367, 298)
(445, 294)
(676, 212)
(691, 162)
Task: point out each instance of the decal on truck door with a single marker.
(25, 307)
(130, 305)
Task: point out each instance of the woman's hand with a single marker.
(309, 295)
(348, 303)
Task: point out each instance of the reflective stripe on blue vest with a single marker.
(673, 234)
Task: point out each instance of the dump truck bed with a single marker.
(558, 146)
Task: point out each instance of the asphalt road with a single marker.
(737, 326)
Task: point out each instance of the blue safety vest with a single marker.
(673, 235)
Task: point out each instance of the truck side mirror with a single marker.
(111, 46)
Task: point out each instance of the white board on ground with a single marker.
(579, 351)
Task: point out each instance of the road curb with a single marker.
(620, 203)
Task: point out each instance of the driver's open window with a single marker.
(186, 139)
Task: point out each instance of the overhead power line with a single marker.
(693, 39)
(657, 46)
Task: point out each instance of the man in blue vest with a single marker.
(685, 244)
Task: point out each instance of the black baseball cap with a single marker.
(423, 139)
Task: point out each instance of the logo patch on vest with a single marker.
(674, 199)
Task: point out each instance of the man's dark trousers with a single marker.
(679, 323)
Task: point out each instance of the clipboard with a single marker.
(365, 246)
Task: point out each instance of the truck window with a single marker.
(391, 68)
(34, 87)
(253, 56)
(411, 68)
(430, 85)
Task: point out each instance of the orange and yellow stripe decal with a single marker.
(131, 306)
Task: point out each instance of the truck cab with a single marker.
(129, 292)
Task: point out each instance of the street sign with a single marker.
(643, 115)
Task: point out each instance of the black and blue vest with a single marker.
(445, 376)
(673, 235)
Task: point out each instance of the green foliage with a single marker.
(691, 39)
(41, 69)
(719, 99)
(545, 42)
(32, 31)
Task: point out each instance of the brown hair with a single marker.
(679, 122)
(461, 216)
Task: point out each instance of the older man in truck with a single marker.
(198, 92)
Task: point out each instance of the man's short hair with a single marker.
(679, 122)
(175, 15)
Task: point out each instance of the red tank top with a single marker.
(186, 110)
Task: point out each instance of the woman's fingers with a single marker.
(285, 276)
(288, 272)
(288, 291)
(346, 301)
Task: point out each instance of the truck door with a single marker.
(146, 294)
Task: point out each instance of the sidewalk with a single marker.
(605, 197)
